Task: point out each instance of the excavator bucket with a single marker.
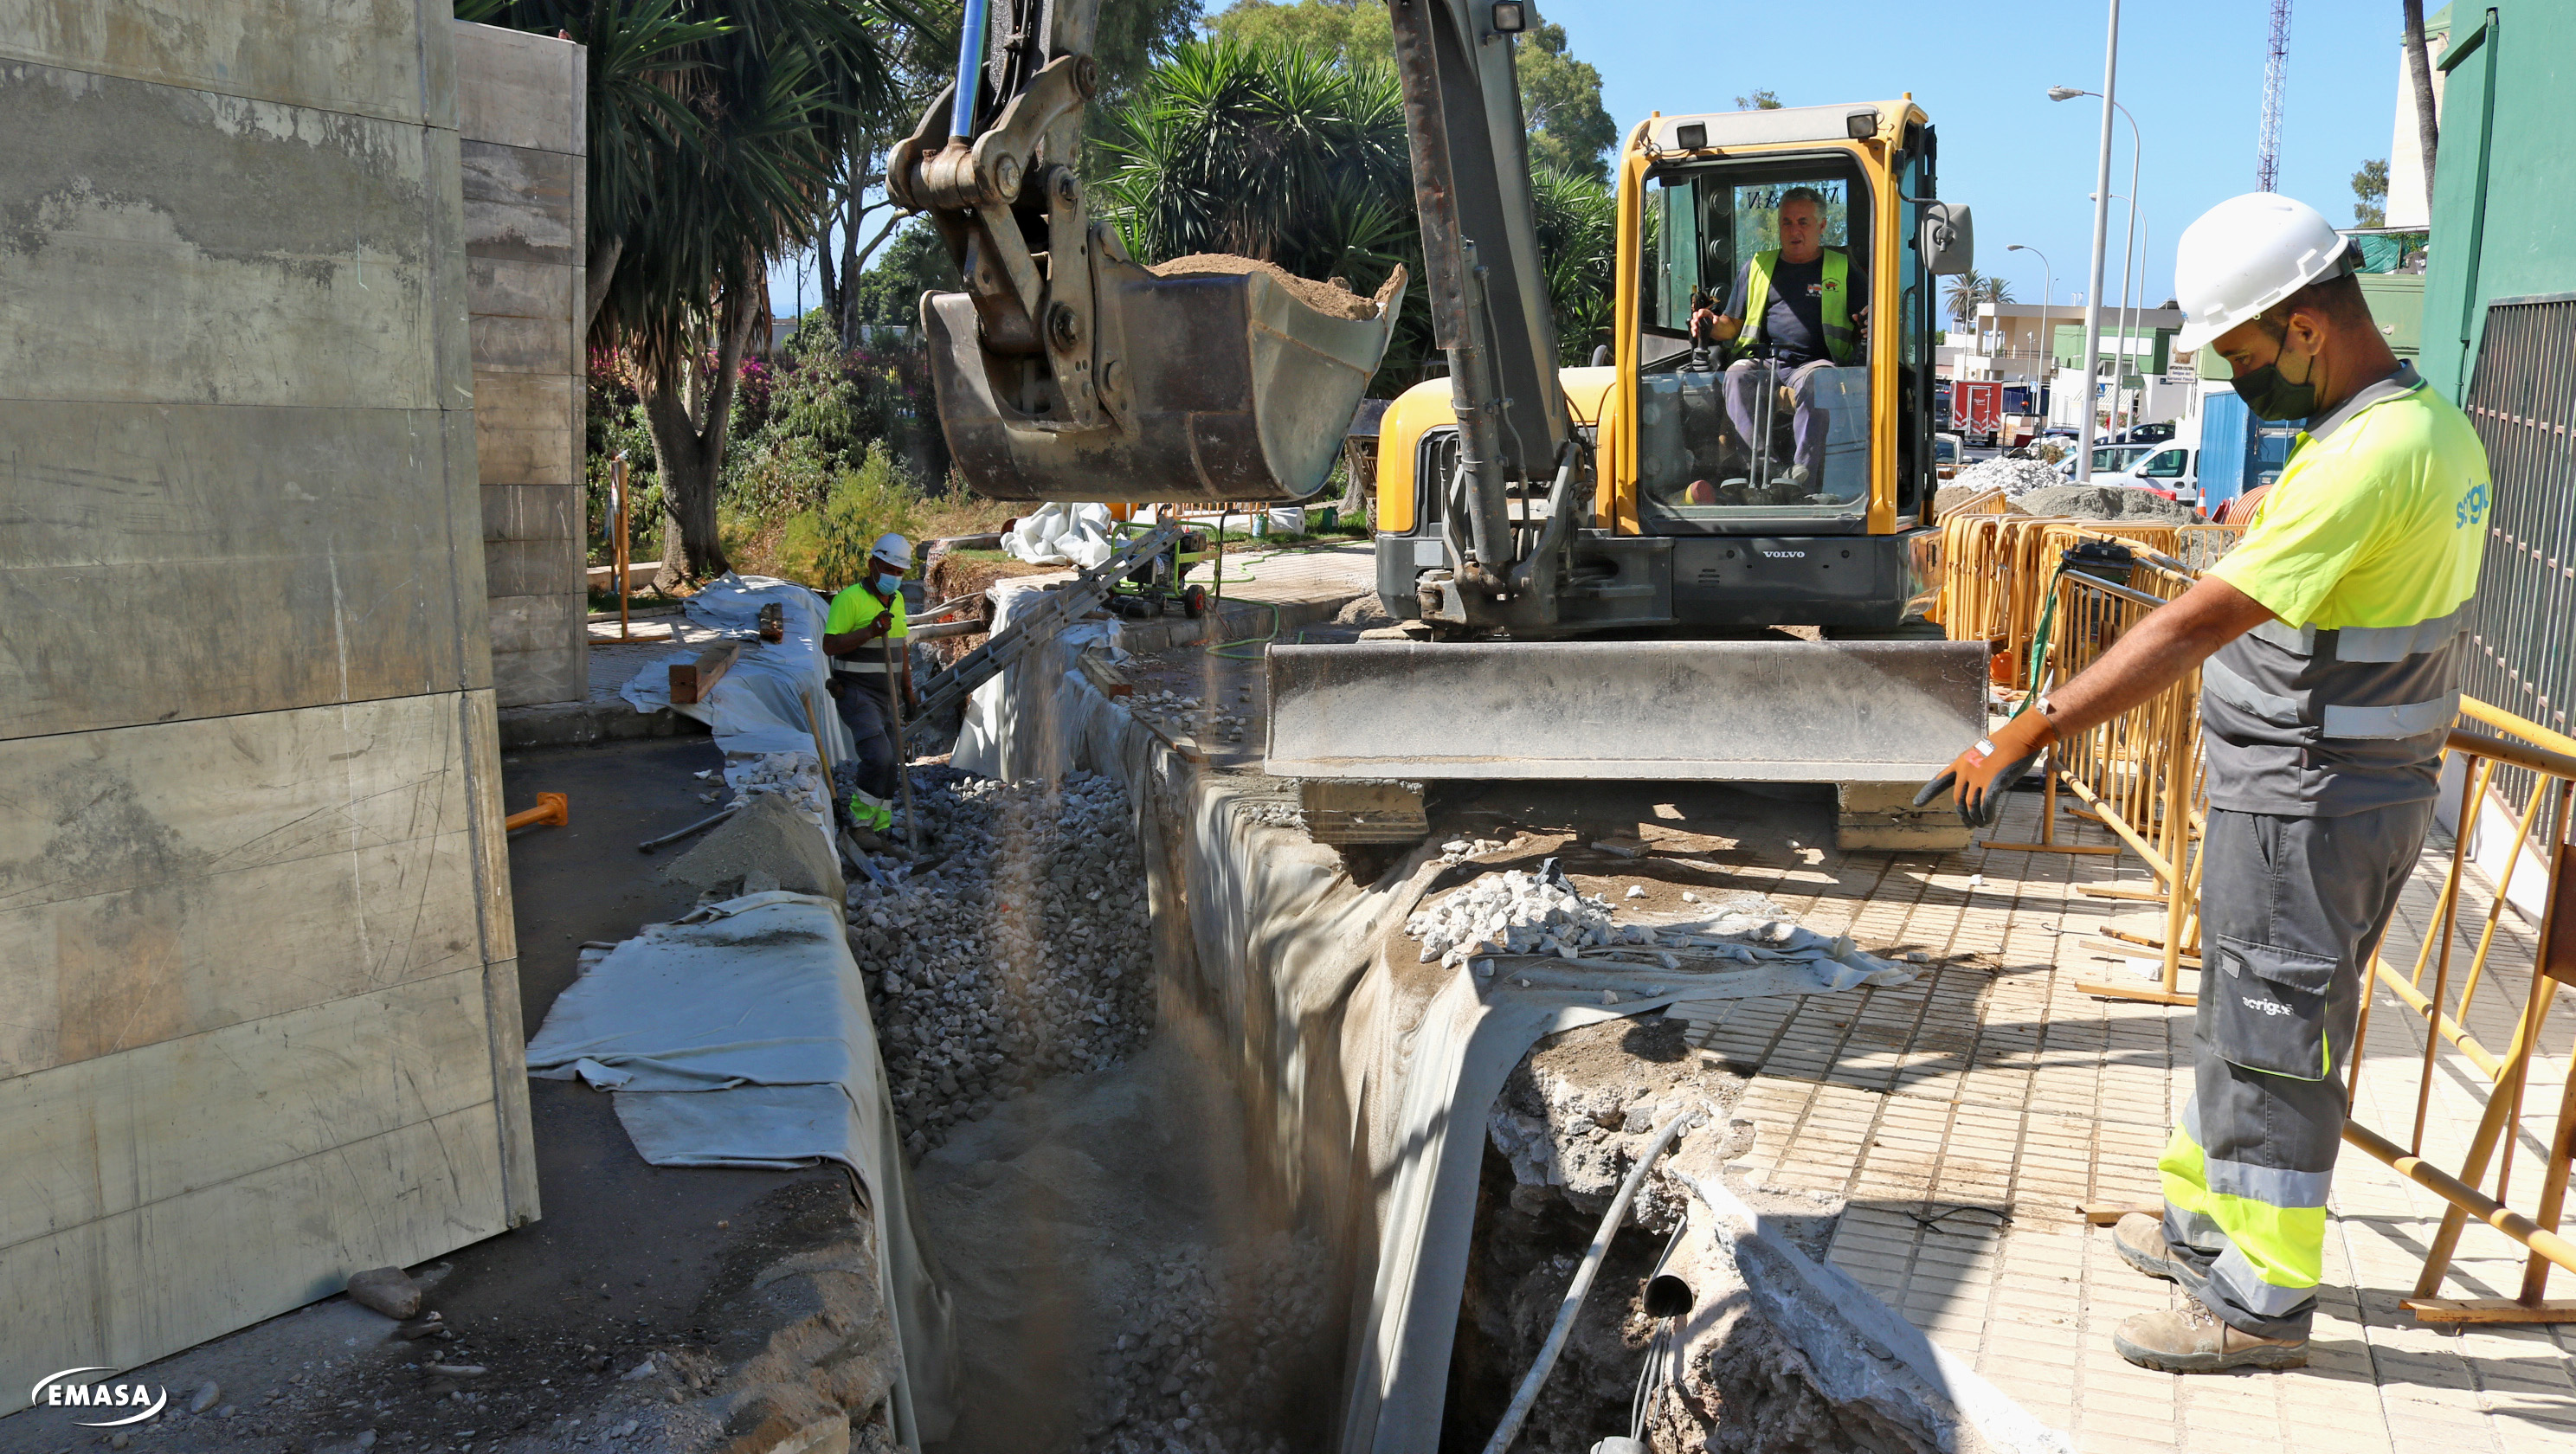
(1214, 387)
(1750, 711)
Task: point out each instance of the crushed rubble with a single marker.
(1517, 912)
(1206, 1369)
(1016, 948)
(796, 776)
(1175, 713)
(2016, 477)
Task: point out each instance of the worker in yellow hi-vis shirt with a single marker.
(865, 616)
(2327, 643)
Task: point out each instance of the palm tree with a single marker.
(1965, 292)
(716, 127)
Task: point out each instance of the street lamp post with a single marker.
(2101, 236)
(2047, 342)
(2128, 322)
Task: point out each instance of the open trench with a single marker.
(1210, 1155)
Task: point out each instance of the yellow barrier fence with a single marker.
(2492, 740)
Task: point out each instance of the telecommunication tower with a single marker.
(2267, 157)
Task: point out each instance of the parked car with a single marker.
(2107, 459)
(2173, 472)
(2145, 434)
(1948, 453)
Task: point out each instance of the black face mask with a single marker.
(2271, 396)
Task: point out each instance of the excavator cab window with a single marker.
(1753, 423)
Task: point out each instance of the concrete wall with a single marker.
(261, 1024)
(519, 104)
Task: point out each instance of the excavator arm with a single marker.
(1064, 370)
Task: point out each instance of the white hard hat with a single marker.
(893, 549)
(2246, 254)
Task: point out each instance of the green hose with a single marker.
(1227, 649)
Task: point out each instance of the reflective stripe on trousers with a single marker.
(2291, 910)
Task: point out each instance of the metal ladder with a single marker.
(1038, 625)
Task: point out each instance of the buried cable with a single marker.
(1510, 1427)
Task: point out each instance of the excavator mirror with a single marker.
(1949, 241)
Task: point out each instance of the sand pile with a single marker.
(1324, 298)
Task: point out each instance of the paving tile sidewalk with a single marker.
(1964, 1116)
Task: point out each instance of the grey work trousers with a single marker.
(2292, 910)
(868, 712)
(1747, 377)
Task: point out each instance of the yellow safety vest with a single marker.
(1840, 336)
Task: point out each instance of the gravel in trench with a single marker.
(1018, 950)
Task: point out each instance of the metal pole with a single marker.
(2127, 259)
(902, 757)
(2047, 341)
(617, 484)
(2101, 238)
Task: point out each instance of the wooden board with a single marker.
(1099, 671)
(692, 680)
(1363, 812)
(2104, 1214)
(1882, 816)
(2488, 1310)
(171, 879)
(107, 1135)
(342, 58)
(130, 1288)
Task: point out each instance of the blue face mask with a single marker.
(884, 584)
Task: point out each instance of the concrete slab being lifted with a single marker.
(1747, 711)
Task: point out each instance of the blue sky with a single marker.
(2191, 72)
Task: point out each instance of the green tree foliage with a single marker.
(2370, 194)
(1561, 100)
(888, 295)
(1759, 101)
(716, 125)
(1295, 155)
(1560, 96)
(1967, 290)
(828, 544)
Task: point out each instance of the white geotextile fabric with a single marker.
(762, 704)
(739, 1035)
(1057, 534)
(988, 721)
(1357, 1068)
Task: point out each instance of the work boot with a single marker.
(2192, 1339)
(2141, 1241)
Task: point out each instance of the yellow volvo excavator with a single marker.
(1595, 553)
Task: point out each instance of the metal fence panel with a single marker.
(2523, 404)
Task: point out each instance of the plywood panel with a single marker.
(247, 559)
(521, 290)
(126, 1130)
(519, 203)
(342, 55)
(551, 674)
(525, 430)
(519, 89)
(132, 1287)
(141, 269)
(161, 881)
(533, 568)
(538, 623)
(535, 512)
(507, 343)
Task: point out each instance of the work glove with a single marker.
(1987, 770)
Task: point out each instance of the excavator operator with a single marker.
(1798, 298)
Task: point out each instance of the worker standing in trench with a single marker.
(865, 615)
(2327, 643)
